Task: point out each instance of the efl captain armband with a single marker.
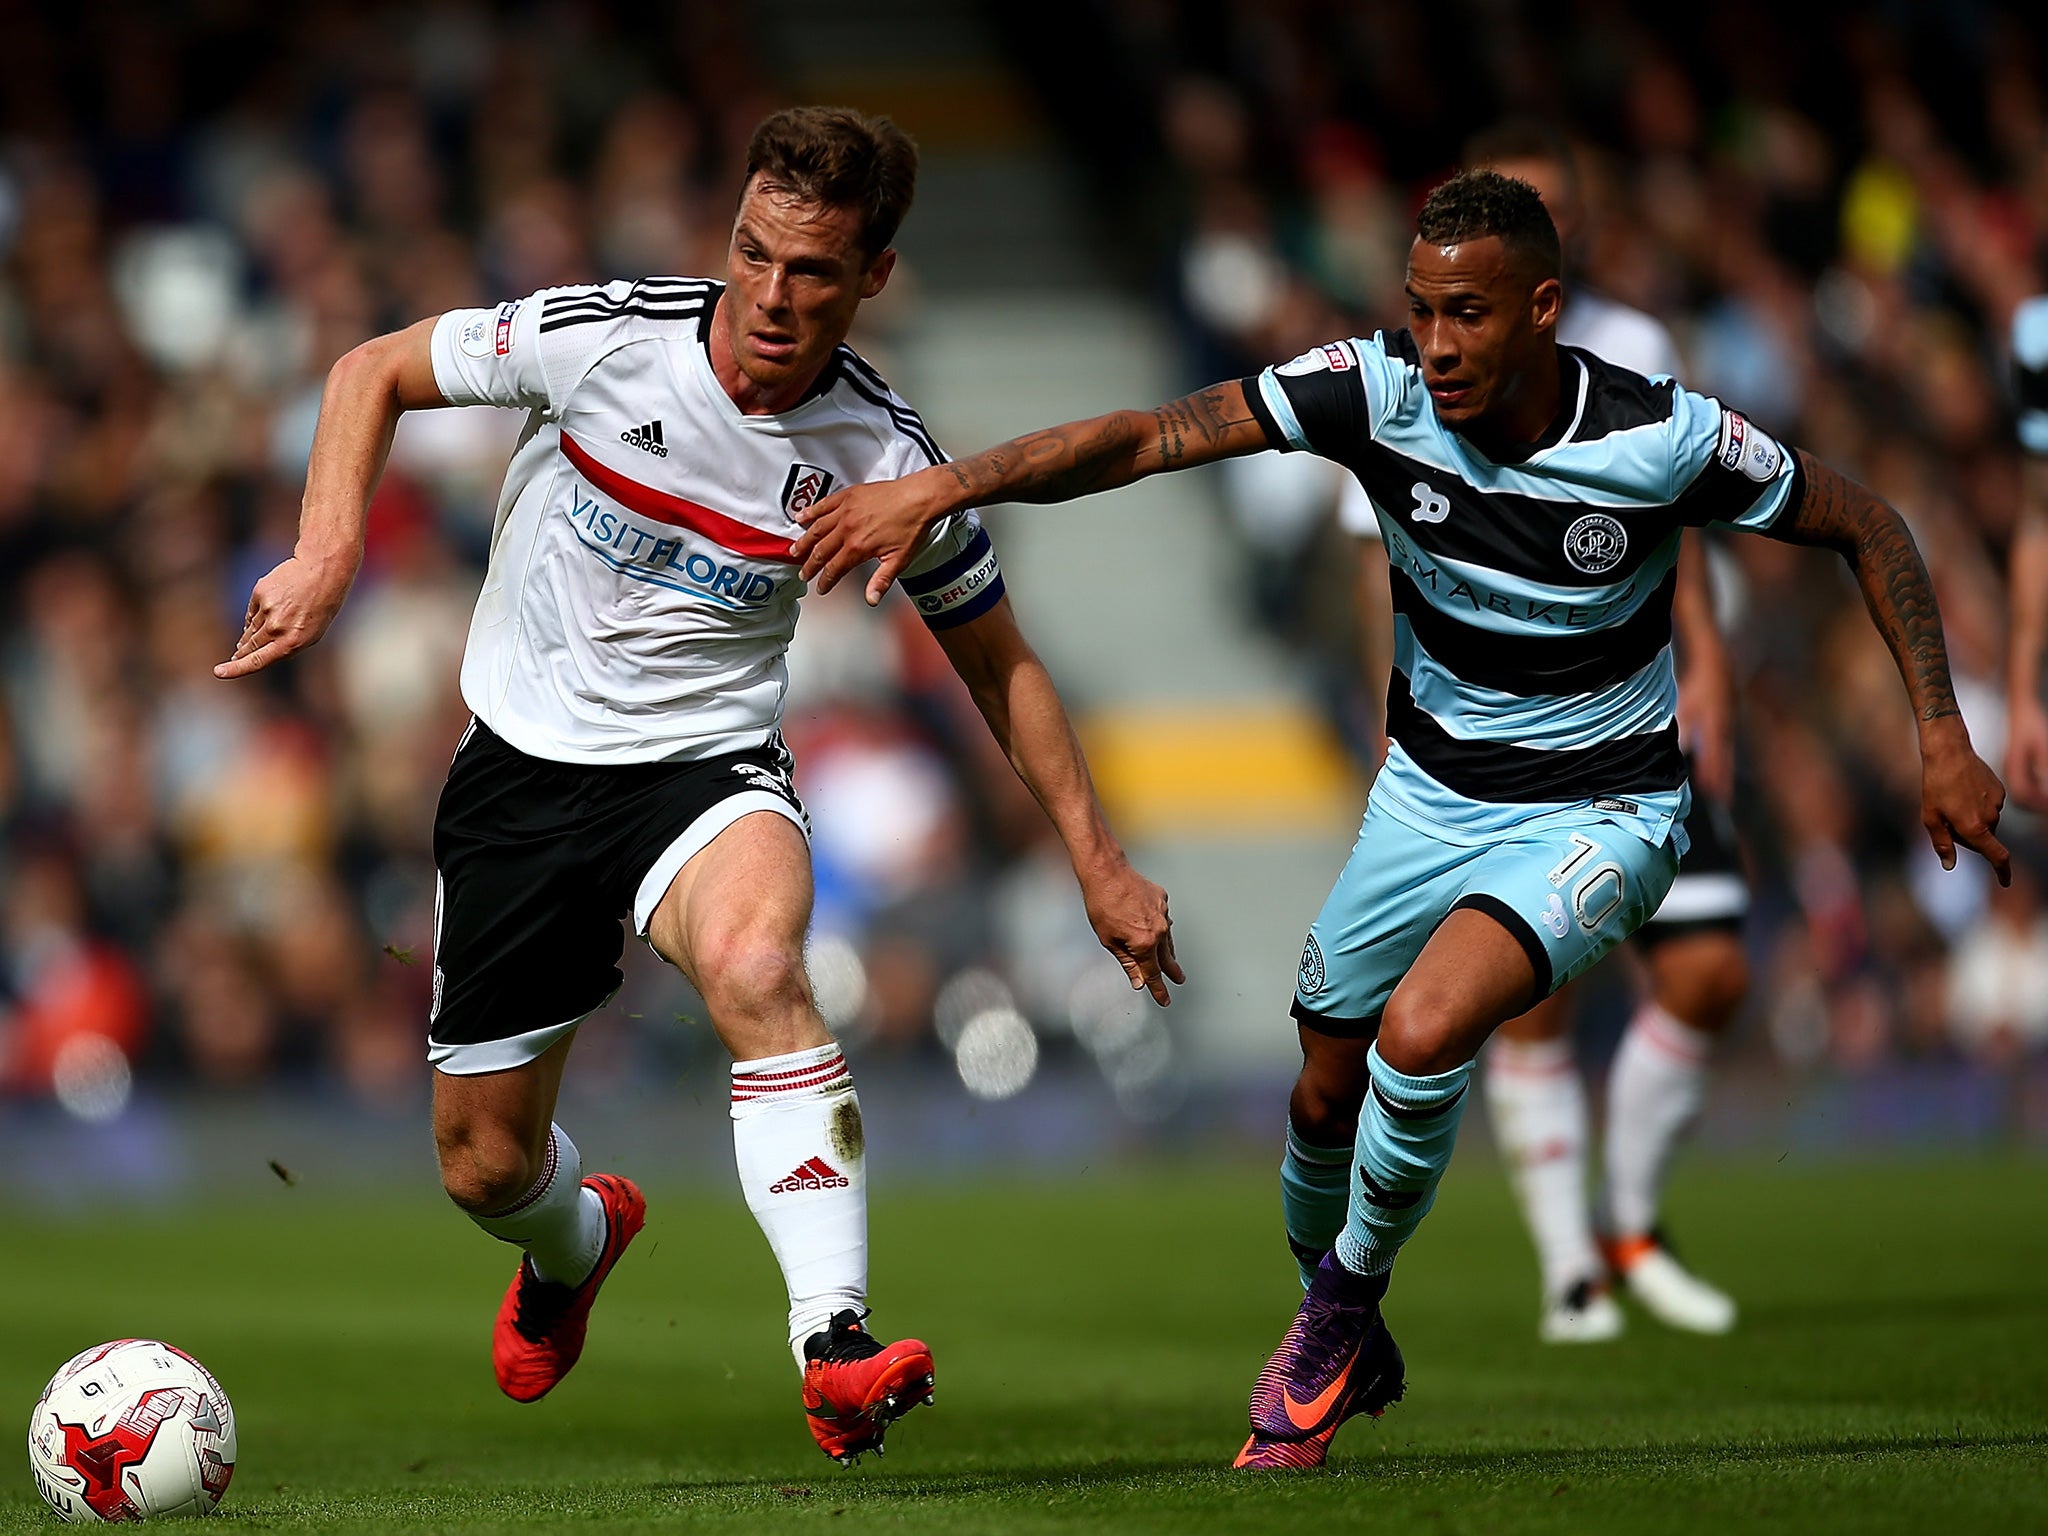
(961, 589)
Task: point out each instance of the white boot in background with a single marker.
(1670, 1292)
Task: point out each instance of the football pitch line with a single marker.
(1095, 1339)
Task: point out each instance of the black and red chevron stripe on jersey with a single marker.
(741, 538)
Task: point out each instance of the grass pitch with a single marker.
(1095, 1340)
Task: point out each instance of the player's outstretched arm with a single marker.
(2026, 734)
(1015, 695)
(367, 391)
(885, 520)
(1960, 797)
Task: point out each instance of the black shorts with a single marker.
(1710, 892)
(539, 862)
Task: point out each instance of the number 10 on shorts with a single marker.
(1599, 887)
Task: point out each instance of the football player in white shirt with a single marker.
(1692, 948)
(625, 667)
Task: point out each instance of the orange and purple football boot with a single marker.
(1336, 1362)
(855, 1386)
(541, 1323)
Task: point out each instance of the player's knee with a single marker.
(1725, 992)
(1324, 1109)
(746, 977)
(483, 1171)
(1704, 984)
(1336, 1075)
(1419, 1033)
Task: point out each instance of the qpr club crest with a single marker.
(1311, 966)
(1595, 543)
(807, 485)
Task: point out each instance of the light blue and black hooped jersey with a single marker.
(2030, 371)
(1532, 599)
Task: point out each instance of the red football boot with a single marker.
(855, 1386)
(541, 1324)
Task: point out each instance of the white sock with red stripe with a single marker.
(1538, 1109)
(797, 1137)
(558, 1222)
(1653, 1094)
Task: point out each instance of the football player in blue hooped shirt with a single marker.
(1527, 819)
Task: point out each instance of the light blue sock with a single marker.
(1315, 1194)
(1405, 1134)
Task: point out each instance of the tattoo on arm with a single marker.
(1836, 513)
(1081, 457)
(1206, 418)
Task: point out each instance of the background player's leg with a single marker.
(1537, 1106)
(1322, 1124)
(513, 1171)
(1659, 1078)
(1472, 975)
(733, 921)
(1654, 1095)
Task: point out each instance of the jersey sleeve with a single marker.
(492, 356)
(1324, 401)
(2030, 372)
(1726, 469)
(532, 352)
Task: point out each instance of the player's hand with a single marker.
(288, 611)
(1960, 798)
(1128, 913)
(882, 521)
(2026, 753)
(1706, 719)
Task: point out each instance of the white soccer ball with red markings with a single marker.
(132, 1430)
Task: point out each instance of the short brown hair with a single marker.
(841, 158)
(1477, 203)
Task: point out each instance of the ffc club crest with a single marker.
(806, 486)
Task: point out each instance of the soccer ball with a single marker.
(131, 1430)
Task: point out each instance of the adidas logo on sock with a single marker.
(814, 1173)
(647, 438)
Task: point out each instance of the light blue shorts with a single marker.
(1570, 884)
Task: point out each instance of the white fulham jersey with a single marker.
(641, 592)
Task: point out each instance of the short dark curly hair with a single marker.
(841, 158)
(1477, 203)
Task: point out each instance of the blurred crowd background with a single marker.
(203, 205)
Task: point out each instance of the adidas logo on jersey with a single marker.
(814, 1173)
(647, 438)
